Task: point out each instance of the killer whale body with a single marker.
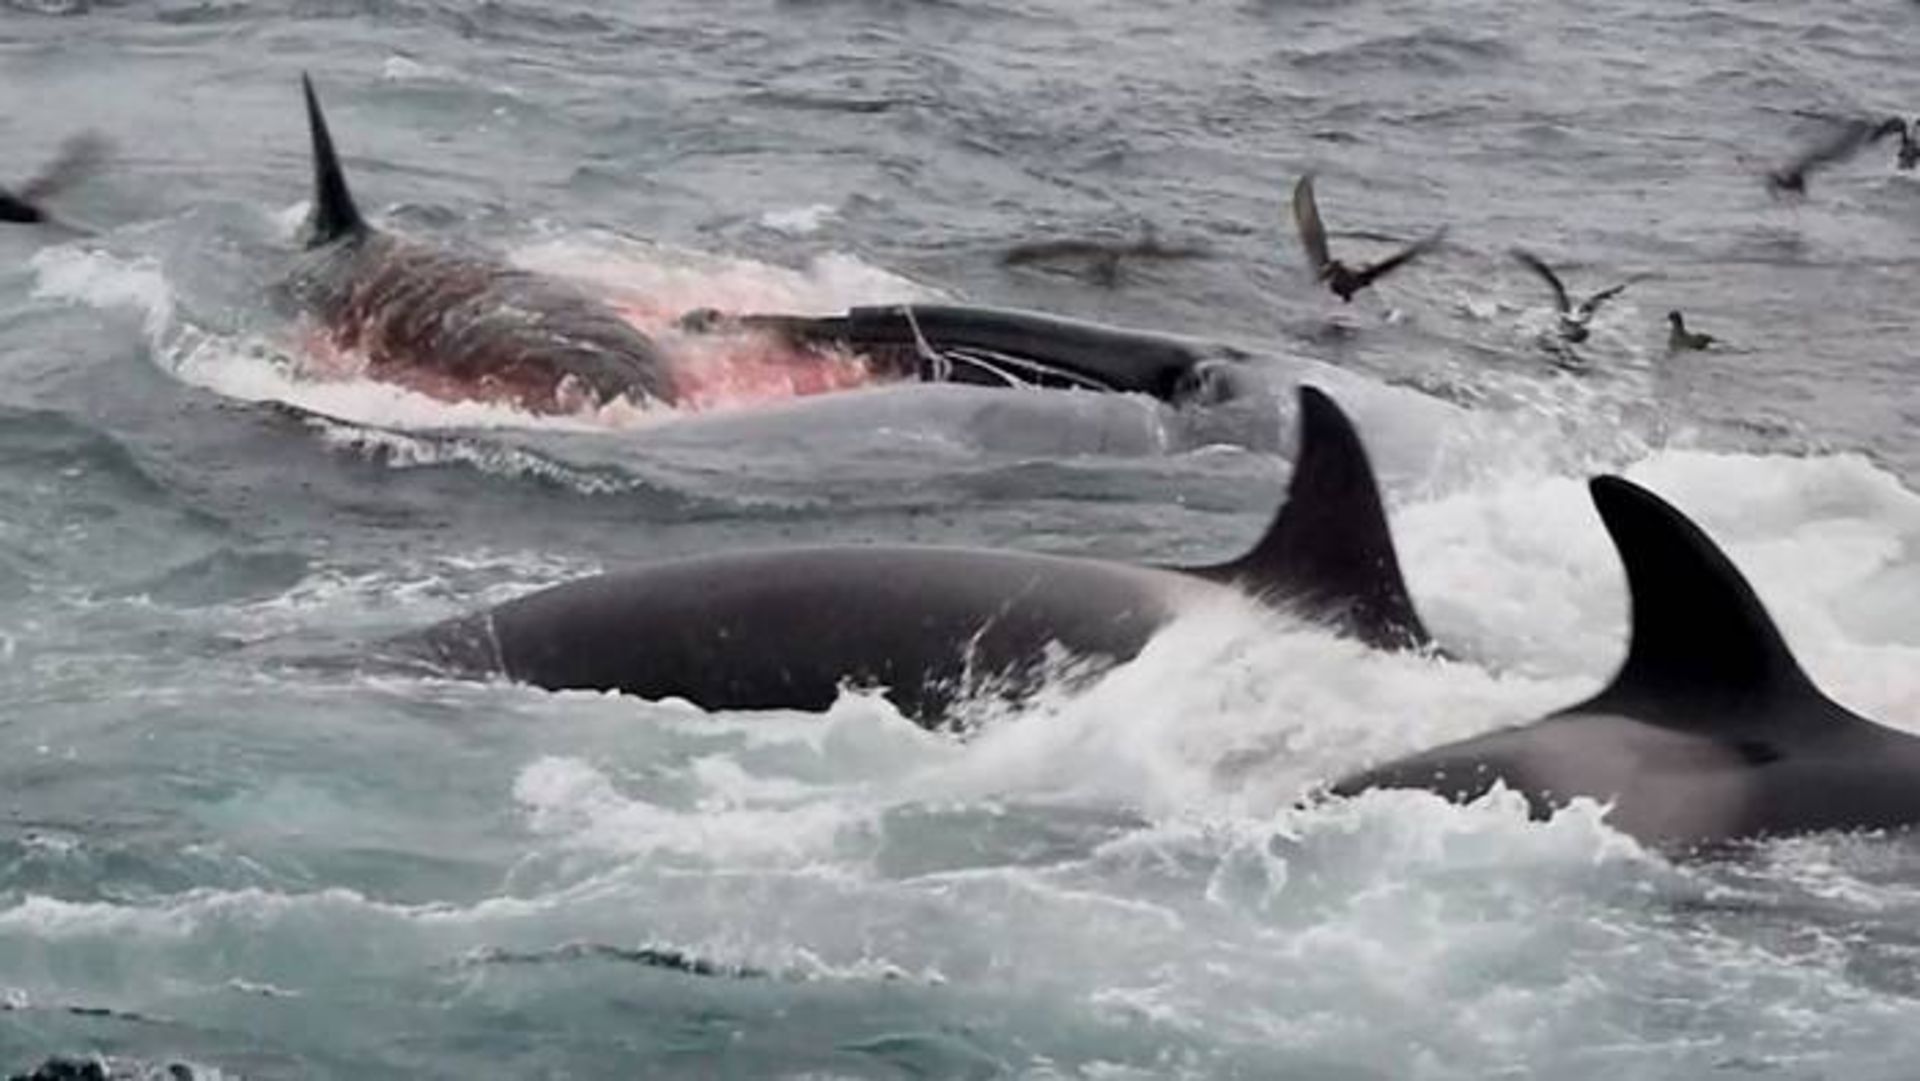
(930, 626)
(459, 321)
(1004, 347)
(1710, 732)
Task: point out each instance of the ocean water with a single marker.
(224, 844)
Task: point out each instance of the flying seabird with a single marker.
(1573, 320)
(1338, 276)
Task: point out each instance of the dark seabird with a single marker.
(1843, 142)
(1573, 320)
(1679, 337)
(80, 157)
(1339, 277)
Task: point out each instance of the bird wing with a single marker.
(1395, 261)
(80, 157)
(1592, 303)
(1306, 218)
(1843, 142)
(1533, 263)
(1892, 125)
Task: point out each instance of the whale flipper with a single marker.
(334, 215)
(1702, 649)
(1328, 550)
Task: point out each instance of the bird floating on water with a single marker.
(1679, 338)
(1573, 318)
(1338, 276)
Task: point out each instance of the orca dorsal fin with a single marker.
(1328, 551)
(1702, 650)
(334, 215)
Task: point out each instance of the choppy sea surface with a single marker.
(225, 845)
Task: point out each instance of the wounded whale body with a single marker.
(1710, 731)
(463, 325)
(1007, 348)
(455, 324)
(931, 626)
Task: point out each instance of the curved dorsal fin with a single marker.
(1328, 550)
(1702, 650)
(334, 215)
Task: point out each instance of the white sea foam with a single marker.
(799, 220)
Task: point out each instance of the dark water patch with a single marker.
(543, 22)
(486, 21)
(664, 958)
(204, 12)
(225, 576)
(84, 508)
(49, 7)
(800, 101)
(917, 11)
(92, 859)
(932, 1054)
(1426, 52)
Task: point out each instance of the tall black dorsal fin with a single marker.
(334, 215)
(1702, 650)
(1328, 551)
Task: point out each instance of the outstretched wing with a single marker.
(1592, 303)
(1399, 259)
(80, 157)
(1533, 263)
(1843, 142)
(1306, 218)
